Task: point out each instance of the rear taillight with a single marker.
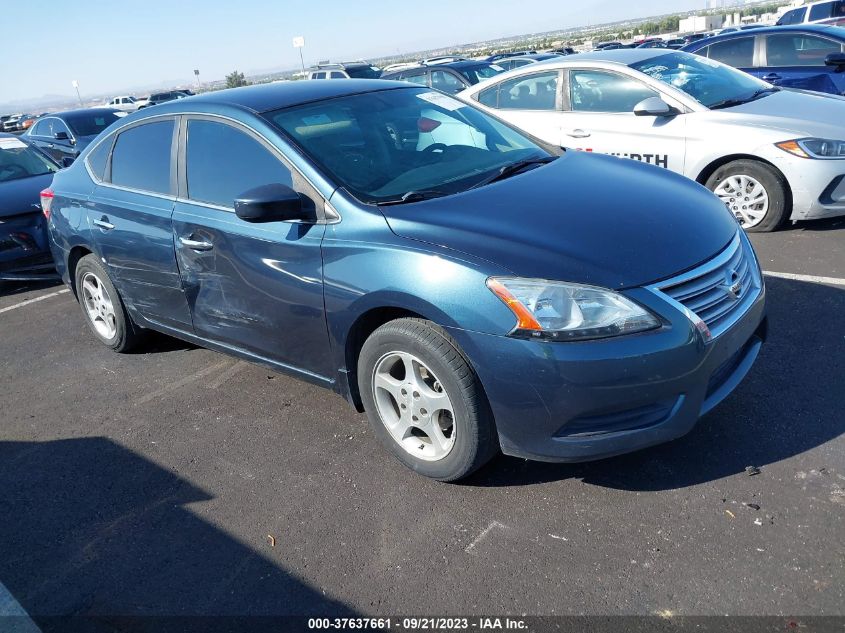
(46, 202)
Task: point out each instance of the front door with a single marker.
(130, 215)
(601, 118)
(257, 287)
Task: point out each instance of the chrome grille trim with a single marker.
(703, 294)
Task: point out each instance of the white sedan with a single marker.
(770, 154)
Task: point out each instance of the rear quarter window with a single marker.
(98, 159)
(141, 157)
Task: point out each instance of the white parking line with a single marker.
(836, 281)
(13, 614)
(36, 300)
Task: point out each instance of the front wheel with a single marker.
(755, 192)
(424, 401)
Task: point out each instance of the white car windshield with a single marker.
(709, 82)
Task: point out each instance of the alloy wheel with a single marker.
(98, 306)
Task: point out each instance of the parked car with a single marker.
(509, 63)
(653, 44)
(345, 70)
(564, 50)
(695, 37)
(497, 56)
(11, 124)
(63, 135)
(30, 120)
(449, 77)
(142, 102)
(675, 43)
(827, 12)
(769, 154)
(806, 57)
(467, 297)
(124, 102)
(24, 172)
(157, 98)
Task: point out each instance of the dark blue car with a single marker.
(807, 57)
(24, 173)
(469, 288)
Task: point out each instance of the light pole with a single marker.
(75, 84)
(197, 75)
(299, 42)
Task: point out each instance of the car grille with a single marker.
(720, 291)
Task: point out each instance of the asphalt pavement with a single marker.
(178, 481)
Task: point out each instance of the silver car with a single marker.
(770, 154)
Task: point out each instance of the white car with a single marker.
(124, 103)
(824, 12)
(770, 154)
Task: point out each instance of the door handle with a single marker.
(771, 77)
(578, 133)
(196, 245)
(104, 224)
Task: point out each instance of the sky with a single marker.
(108, 45)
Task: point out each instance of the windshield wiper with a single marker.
(729, 103)
(414, 196)
(513, 168)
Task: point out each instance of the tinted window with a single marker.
(319, 75)
(59, 126)
(738, 53)
(19, 160)
(141, 157)
(98, 158)
(418, 78)
(596, 91)
(42, 128)
(821, 11)
(224, 162)
(796, 16)
(481, 72)
(799, 50)
(363, 72)
(534, 92)
(337, 75)
(446, 82)
(90, 124)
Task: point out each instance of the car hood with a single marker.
(584, 218)
(795, 112)
(19, 196)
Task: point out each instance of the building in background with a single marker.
(696, 23)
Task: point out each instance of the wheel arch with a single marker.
(711, 168)
(76, 253)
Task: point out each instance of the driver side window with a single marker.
(599, 91)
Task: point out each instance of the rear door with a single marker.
(599, 117)
(257, 287)
(738, 52)
(532, 102)
(796, 60)
(42, 136)
(130, 213)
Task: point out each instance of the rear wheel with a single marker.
(756, 193)
(102, 306)
(424, 401)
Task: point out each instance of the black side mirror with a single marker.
(61, 136)
(67, 161)
(837, 60)
(273, 203)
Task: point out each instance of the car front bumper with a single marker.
(570, 402)
(818, 187)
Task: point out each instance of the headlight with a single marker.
(569, 312)
(814, 148)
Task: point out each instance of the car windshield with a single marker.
(19, 160)
(363, 72)
(475, 74)
(90, 124)
(403, 144)
(709, 82)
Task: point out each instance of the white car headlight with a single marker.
(821, 148)
(561, 311)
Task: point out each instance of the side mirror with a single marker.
(837, 60)
(273, 203)
(61, 136)
(67, 161)
(653, 106)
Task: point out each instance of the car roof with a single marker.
(265, 97)
(537, 56)
(819, 29)
(619, 55)
(71, 114)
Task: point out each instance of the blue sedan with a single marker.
(808, 57)
(469, 288)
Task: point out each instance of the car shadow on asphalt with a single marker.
(95, 537)
(11, 288)
(790, 403)
(825, 224)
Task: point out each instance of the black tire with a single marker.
(475, 440)
(127, 335)
(777, 189)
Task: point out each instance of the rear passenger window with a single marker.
(737, 53)
(337, 75)
(535, 92)
(224, 162)
(821, 11)
(446, 82)
(141, 157)
(98, 158)
(419, 78)
(789, 49)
